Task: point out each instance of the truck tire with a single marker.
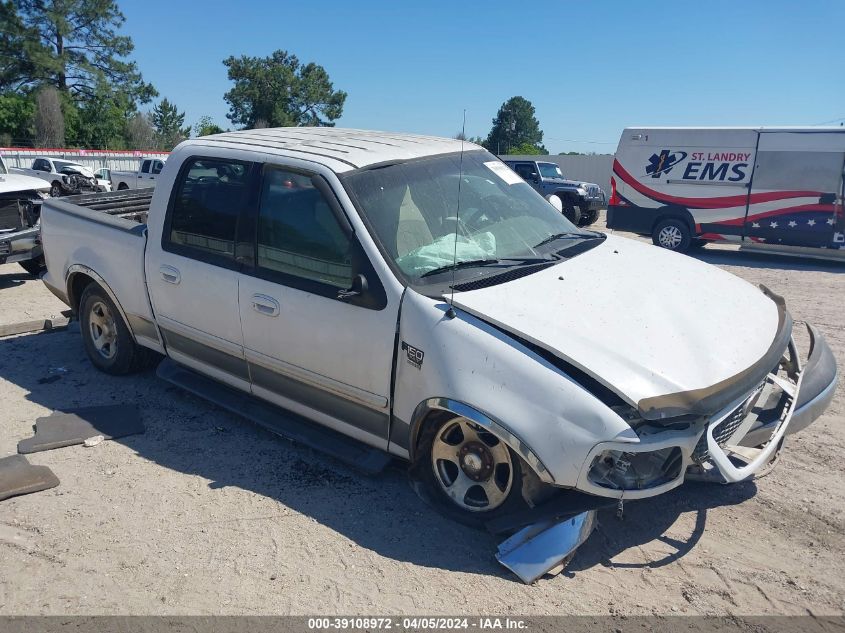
(570, 211)
(106, 337)
(55, 189)
(672, 234)
(122, 186)
(453, 455)
(588, 217)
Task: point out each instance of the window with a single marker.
(210, 195)
(525, 171)
(298, 233)
(798, 170)
(41, 165)
(145, 167)
(157, 165)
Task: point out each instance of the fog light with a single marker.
(636, 471)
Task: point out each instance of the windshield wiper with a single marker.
(569, 235)
(471, 263)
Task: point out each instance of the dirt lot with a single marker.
(206, 514)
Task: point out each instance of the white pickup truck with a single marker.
(65, 177)
(148, 170)
(414, 294)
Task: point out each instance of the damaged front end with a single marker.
(19, 226)
(730, 446)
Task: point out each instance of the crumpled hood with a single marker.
(12, 183)
(644, 321)
(78, 169)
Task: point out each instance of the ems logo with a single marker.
(663, 162)
(415, 356)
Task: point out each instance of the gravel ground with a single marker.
(207, 514)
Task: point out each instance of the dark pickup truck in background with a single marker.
(581, 201)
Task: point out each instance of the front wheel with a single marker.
(589, 217)
(672, 234)
(467, 473)
(107, 340)
(55, 189)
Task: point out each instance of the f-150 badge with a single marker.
(415, 356)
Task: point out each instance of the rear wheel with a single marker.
(122, 186)
(106, 337)
(467, 473)
(672, 234)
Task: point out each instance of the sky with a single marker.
(590, 68)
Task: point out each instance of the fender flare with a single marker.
(493, 426)
(77, 269)
(673, 212)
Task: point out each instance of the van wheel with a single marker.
(106, 337)
(673, 235)
(467, 473)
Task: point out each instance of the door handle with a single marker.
(170, 274)
(265, 305)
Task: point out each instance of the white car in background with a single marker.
(65, 177)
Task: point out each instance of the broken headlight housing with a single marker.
(620, 470)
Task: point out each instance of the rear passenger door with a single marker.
(192, 272)
(796, 191)
(310, 347)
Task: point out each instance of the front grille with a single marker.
(721, 434)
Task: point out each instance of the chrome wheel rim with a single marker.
(670, 237)
(103, 330)
(473, 467)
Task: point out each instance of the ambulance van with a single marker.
(773, 188)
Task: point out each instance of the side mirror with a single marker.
(358, 288)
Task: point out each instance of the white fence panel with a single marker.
(95, 159)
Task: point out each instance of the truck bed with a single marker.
(130, 204)
(103, 236)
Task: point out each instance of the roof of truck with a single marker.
(346, 148)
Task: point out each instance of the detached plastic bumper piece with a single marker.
(544, 547)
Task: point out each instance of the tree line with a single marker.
(67, 80)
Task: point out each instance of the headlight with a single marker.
(619, 470)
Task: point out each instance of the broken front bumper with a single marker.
(731, 446)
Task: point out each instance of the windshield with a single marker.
(412, 209)
(550, 170)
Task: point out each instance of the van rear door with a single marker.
(796, 189)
